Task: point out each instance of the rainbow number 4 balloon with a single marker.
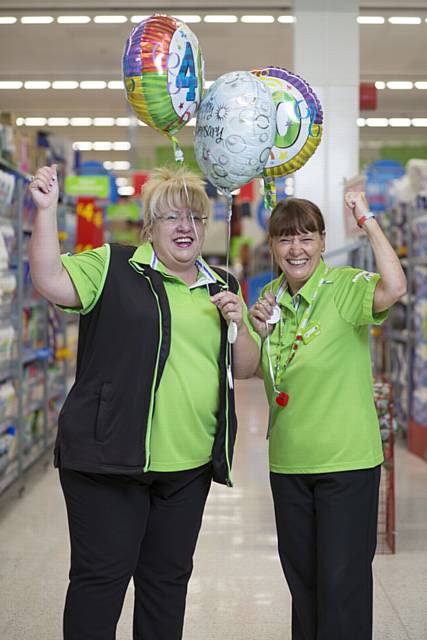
(163, 73)
(299, 120)
(235, 129)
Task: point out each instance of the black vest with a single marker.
(122, 349)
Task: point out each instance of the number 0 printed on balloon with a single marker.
(299, 121)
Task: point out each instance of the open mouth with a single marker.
(297, 263)
(183, 242)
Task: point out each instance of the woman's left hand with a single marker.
(358, 204)
(230, 306)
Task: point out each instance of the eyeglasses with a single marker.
(173, 218)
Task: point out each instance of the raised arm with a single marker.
(392, 285)
(47, 273)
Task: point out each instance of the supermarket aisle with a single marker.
(237, 588)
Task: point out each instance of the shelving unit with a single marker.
(35, 366)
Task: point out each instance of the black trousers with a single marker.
(124, 527)
(327, 532)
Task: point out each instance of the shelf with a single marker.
(9, 475)
(35, 452)
(399, 336)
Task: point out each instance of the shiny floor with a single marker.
(237, 590)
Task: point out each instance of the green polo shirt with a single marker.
(330, 422)
(184, 420)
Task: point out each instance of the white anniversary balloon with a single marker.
(235, 130)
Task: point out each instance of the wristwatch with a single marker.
(363, 219)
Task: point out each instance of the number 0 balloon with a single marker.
(299, 122)
(163, 73)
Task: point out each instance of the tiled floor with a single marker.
(237, 590)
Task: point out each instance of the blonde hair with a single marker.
(171, 188)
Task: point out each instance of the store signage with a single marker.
(90, 225)
(139, 178)
(124, 211)
(367, 96)
(95, 186)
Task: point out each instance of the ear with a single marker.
(323, 242)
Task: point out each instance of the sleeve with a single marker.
(247, 321)
(354, 296)
(88, 271)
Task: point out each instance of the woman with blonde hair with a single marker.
(150, 419)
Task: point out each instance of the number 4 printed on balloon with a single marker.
(186, 78)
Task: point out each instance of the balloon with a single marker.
(235, 130)
(299, 121)
(163, 73)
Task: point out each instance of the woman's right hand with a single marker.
(44, 187)
(260, 312)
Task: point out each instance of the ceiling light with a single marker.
(126, 191)
(400, 85)
(20, 122)
(370, 20)
(81, 122)
(93, 84)
(399, 122)
(404, 20)
(7, 20)
(122, 182)
(65, 84)
(35, 122)
(286, 19)
(419, 122)
(220, 18)
(377, 122)
(121, 146)
(102, 146)
(379, 85)
(73, 19)
(142, 124)
(188, 18)
(421, 85)
(37, 84)
(257, 19)
(103, 122)
(36, 19)
(116, 84)
(58, 122)
(11, 84)
(110, 19)
(83, 146)
(138, 19)
(107, 165)
(122, 122)
(192, 122)
(121, 165)
(361, 122)
(208, 83)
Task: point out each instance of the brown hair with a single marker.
(294, 216)
(172, 188)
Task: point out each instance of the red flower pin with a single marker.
(282, 399)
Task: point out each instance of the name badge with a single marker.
(312, 332)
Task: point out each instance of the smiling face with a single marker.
(177, 237)
(297, 239)
(298, 256)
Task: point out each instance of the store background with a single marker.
(86, 127)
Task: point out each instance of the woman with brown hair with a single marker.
(324, 441)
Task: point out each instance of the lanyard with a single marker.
(281, 397)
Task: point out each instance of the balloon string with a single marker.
(229, 214)
(269, 193)
(191, 215)
(178, 152)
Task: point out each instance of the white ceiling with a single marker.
(93, 52)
